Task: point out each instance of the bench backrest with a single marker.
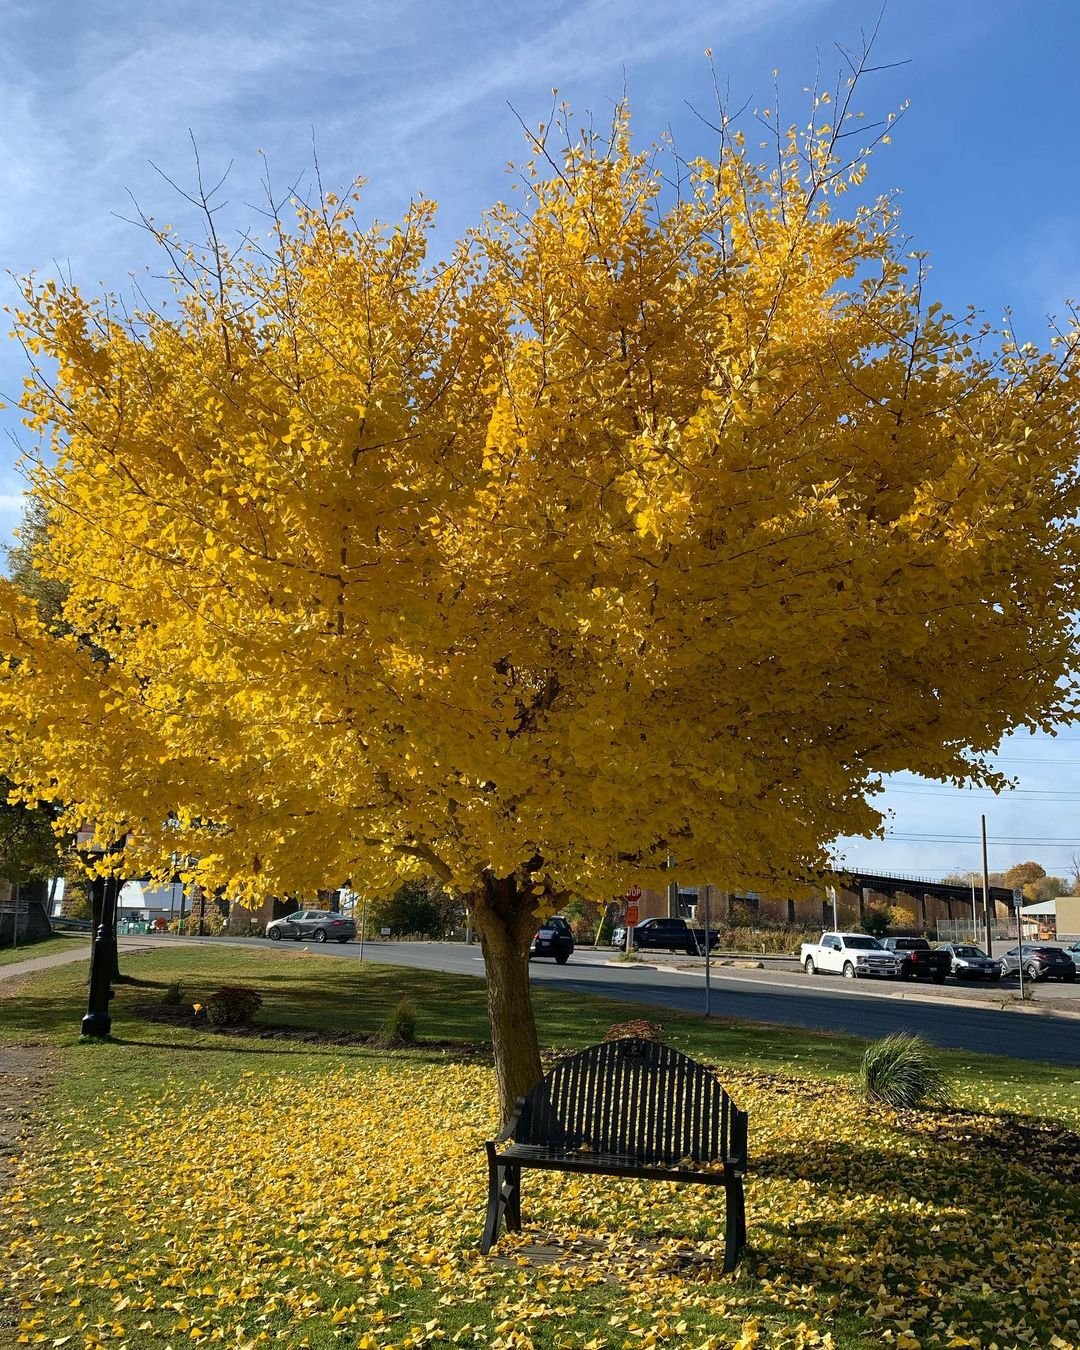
(636, 1098)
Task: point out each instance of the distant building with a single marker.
(928, 902)
(1058, 918)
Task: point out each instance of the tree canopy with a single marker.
(658, 520)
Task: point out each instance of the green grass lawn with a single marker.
(45, 946)
(192, 1187)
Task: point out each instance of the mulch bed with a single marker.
(181, 1015)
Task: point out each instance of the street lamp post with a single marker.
(98, 1022)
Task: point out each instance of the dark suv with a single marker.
(554, 938)
(1039, 962)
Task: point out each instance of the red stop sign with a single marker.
(633, 894)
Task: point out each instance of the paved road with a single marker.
(954, 1018)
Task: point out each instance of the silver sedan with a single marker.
(321, 925)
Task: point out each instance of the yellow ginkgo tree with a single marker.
(657, 521)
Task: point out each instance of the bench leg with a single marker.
(512, 1198)
(504, 1201)
(734, 1223)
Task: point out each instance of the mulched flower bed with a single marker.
(182, 1015)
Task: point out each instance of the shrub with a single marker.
(783, 939)
(232, 1006)
(212, 921)
(902, 1070)
(400, 1027)
(173, 994)
(639, 1028)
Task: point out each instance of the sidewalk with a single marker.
(80, 951)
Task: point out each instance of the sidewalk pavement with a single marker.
(80, 951)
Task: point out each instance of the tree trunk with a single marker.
(504, 915)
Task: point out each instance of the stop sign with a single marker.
(633, 893)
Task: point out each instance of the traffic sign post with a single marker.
(1018, 896)
(633, 895)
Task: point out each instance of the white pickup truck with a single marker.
(850, 955)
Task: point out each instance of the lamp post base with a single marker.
(96, 1024)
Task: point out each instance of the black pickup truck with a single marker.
(920, 960)
(673, 935)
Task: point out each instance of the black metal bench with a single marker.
(627, 1108)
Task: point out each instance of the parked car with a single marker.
(1040, 962)
(672, 935)
(918, 960)
(319, 924)
(554, 938)
(850, 955)
(972, 963)
(1074, 953)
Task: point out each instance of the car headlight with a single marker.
(860, 960)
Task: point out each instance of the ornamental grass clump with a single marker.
(901, 1070)
(400, 1026)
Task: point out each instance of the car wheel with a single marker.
(319, 935)
(849, 971)
(562, 958)
(809, 967)
(274, 935)
(1032, 972)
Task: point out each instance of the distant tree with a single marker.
(1047, 888)
(876, 919)
(957, 879)
(29, 849)
(411, 910)
(29, 568)
(901, 917)
(1025, 875)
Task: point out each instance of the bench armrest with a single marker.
(510, 1128)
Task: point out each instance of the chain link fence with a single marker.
(965, 930)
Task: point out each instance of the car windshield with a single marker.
(969, 951)
(861, 944)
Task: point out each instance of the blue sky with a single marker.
(414, 97)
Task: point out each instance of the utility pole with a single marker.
(986, 894)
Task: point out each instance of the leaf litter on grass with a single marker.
(343, 1206)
